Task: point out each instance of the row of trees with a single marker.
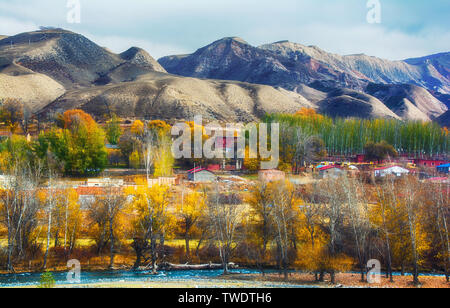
(75, 147)
(349, 136)
(327, 227)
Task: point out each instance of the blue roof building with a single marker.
(443, 168)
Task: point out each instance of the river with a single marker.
(200, 278)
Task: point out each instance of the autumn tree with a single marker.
(19, 212)
(410, 199)
(309, 228)
(69, 219)
(379, 151)
(382, 217)
(260, 200)
(300, 148)
(127, 146)
(437, 200)
(285, 215)
(358, 214)
(151, 221)
(190, 209)
(110, 205)
(308, 113)
(80, 145)
(332, 219)
(12, 113)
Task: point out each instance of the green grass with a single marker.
(250, 177)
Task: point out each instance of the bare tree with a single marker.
(285, 214)
(387, 199)
(225, 214)
(113, 201)
(411, 199)
(332, 214)
(358, 215)
(105, 212)
(50, 205)
(19, 208)
(303, 147)
(438, 195)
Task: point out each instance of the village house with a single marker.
(271, 175)
(431, 163)
(391, 170)
(167, 181)
(201, 175)
(332, 171)
(103, 182)
(443, 168)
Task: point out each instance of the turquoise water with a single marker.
(30, 279)
(24, 279)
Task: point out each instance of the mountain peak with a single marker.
(231, 39)
(140, 57)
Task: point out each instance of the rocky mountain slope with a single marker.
(68, 58)
(351, 103)
(55, 70)
(444, 119)
(312, 72)
(164, 96)
(408, 101)
(435, 70)
(229, 80)
(234, 59)
(288, 64)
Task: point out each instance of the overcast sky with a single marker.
(408, 28)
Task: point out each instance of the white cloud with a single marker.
(11, 26)
(163, 27)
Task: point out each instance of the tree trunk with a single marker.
(153, 253)
(137, 263)
(362, 273)
(111, 247)
(322, 276)
(49, 230)
(333, 277)
(188, 250)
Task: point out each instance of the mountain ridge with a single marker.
(53, 70)
(313, 63)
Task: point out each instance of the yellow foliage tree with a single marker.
(190, 209)
(150, 219)
(164, 160)
(309, 113)
(137, 128)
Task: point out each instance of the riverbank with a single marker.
(240, 278)
(344, 280)
(176, 284)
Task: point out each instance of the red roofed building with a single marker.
(331, 171)
(201, 175)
